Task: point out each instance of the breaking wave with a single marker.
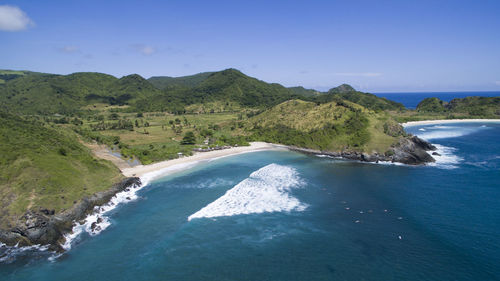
(265, 190)
(444, 132)
(447, 159)
(98, 221)
(9, 254)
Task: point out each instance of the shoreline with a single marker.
(448, 121)
(162, 168)
(89, 214)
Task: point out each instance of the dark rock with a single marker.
(425, 145)
(409, 150)
(435, 153)
(38, 228)
(413, 151)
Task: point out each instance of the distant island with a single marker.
(57, 133)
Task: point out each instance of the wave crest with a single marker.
(265, 190)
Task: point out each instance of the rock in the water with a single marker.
(435, 153)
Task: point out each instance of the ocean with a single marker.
(411, 100)
(280, 215)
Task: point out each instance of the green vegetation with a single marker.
(45, 167)
(46, 163)
(331, 126)
(369, 101)
(165, 82)
(189, 138)
(464, 108)
(301, 91)
(229, 86)
(431, 105)
(67, 94)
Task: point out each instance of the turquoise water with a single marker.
(288, 216)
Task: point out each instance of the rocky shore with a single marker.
(410, 150)
(44, 227)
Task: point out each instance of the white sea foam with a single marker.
(98, 217)
(444, 132)
(208, 183)
(265, 190)
(447, 159)
(442, 127)
(10, 253)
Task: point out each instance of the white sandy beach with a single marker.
(432, 122)
(165, 167)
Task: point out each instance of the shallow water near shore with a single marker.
(279, 215)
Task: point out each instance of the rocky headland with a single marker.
(44, 227)
(410, 150)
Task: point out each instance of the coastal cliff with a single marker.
(43, 227)
(410, 150)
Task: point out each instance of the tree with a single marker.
(189, 138)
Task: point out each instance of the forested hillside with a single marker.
(45, 167)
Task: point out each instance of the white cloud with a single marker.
(359, 74)
(497, 82)
(144, 49)
(13, 19)
(69, 49)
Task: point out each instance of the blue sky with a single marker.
(375, 46)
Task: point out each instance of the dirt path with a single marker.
(102, 151)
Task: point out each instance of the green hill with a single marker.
(367, 100)
(480, 107)
(301, 91)
(232, 85)
(431, 105)
(334, 126)
(7, 75)
(227, 90)
(342, 89)
(346, 92)
(67, 94)
(166, 82)
(45, 168)
(229, 87)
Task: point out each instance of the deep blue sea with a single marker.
(411, 100)
(280, 215)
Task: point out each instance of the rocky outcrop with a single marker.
(413, 151)
(46, 228)
(410, 150)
